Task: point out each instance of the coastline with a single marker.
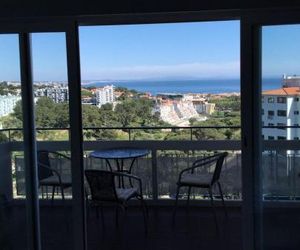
(209, 86)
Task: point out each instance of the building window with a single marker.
(270, 124)
(281, 99)
(281, 138)
(270, 112)
(281, 112)
(296, 138)
(296, 112)
(296, 99)
(262, 99)
(296, 124)
(281, 124)
(270, 99)
(270, 137)
(262, 112)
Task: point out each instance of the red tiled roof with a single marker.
(283, 91)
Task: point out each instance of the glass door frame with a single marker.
(251, 62)
(24, 30)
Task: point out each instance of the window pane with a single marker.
(280, 160)
(176, 82)
(51, 95)
(12, 173)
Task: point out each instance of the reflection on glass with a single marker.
(12, 175)
(280, 160)
(51, 94)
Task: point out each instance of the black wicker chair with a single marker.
(188, 178)
(49, 176)
(103, 190)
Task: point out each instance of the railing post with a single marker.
(154, 175)
(129, 134)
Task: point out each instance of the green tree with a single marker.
(45, 113)
(209, 133)
(125, 112)
(86, 93)
(61, 115)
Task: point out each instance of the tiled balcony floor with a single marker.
(195, 230)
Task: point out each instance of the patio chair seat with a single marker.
(125, 194)
(54, 181)
(50, 176)
(203, 180)
(189, 178)
(103, 189)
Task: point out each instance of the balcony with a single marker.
(159, 172)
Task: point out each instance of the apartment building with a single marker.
(57, 93)
(7, 104)
(104, 95)
(280, 107)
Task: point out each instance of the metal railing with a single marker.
(129, 130)
(168, 156)
(280, 162)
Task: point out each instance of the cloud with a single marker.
(190, 70)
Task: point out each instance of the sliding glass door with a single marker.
(12, 172)
(39, 145)
(280, 159)
(271, 44)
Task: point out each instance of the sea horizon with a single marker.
(182, 86)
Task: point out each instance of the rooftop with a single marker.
(291, 91)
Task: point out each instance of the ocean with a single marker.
(186, 86)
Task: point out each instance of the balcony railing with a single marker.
(13, 134)
(159, 170)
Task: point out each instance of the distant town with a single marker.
(174, 109)
(280, 107)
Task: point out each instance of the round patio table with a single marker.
(119, 155)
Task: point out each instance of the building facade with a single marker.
(7, 104)
(104, 95)
(280, 107)
(57, 94)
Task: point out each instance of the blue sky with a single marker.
(160, 51)
(156, 51)
(281, 50)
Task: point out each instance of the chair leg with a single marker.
(145, 206)
(223, 202)
(214, 209)
(188, 199)
(145, 213)
(62, 193)
(53, 192)
(176, 203)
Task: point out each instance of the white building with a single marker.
(280, 107)
(200, 103)
(7, 104)
(177, 112)
(104, 95)
(57, 93)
